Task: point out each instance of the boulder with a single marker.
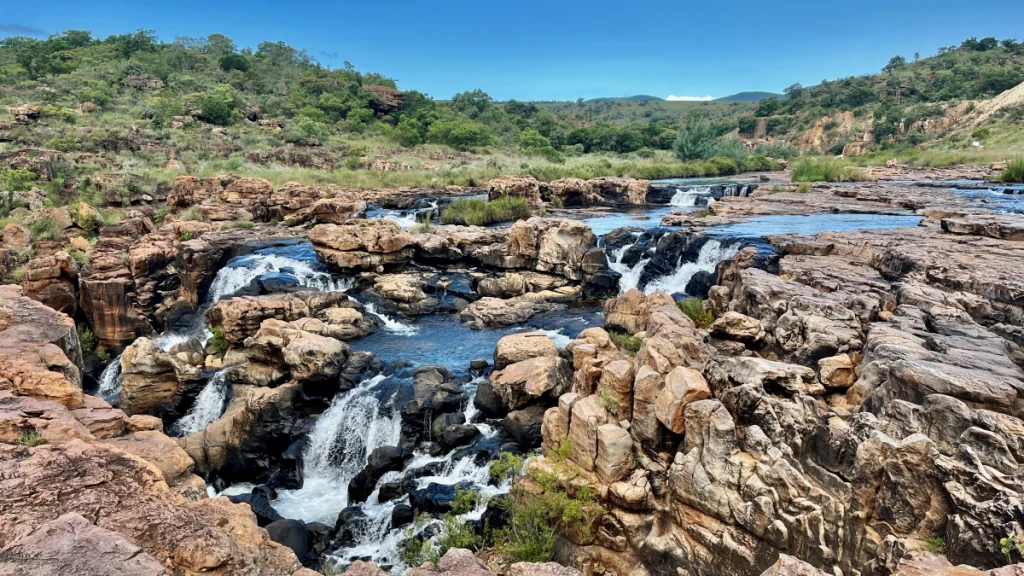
(614, 458)
(362, 244)
(520, 383)
(682, 386)
(523, 346)
(736, 326)
(524, 426)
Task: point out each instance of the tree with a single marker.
(472, 103)
(794, 91)
(917, 56)
(694, 140)
(409, 132)
(218, 108)
(767, 107)
(459, 134)
(894, 63)
(230, 62)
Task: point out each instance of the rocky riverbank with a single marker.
(844, 401)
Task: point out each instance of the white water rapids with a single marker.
(207, 408)
(630, 274)
(230, 279)
(711, 253)
(390, 324)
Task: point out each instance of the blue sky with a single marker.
(551, 50)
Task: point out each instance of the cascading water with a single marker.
(341, 440)
(110, 381)
(390, 324)
(243, 270)
(689, 197)
(630, 274)
(208, 407)
(711, 253)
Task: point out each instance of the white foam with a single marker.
(685, 198)
(209, 405)
(232, 278)
(630, 274)
(390, 324)
(110, 381)
(711, 253)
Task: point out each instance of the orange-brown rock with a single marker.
(53, 280)
(362, 244)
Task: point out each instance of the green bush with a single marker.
(86, 339)
(722, 166)
(694, 308)
(694, 140)
(824, 170)
(775, 150)
(217, 110)
(626, 342)
(16, 179)
(219, 342)
(459, 134)
(1014, 171)
(480, 212)
(935, 545)
(16, 276)
(45, 228)
(192, 213)
(238, 225)
(506, 467)
(31, 438)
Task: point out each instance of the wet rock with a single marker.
(259, 501)
(524, 426)
(458, 435)
(393, 490)
(381, 461)
(349, 525)
(487, 401)
(293, 534)
(433, 499)
(153, 381)
(401, 515)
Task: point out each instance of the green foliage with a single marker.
(192, 213)
(537, 517)
(219, 342)
(238, 225)
(694, 308)
(506, 467)
(768, 107)
(803, 187)
(1014, 171)
(479, 212)
(1012, 544)
(607, 402)
(776, 150)
(218, 108)
(722, 166)
(626, 342)
(185, 236)
(935, 545)
(694, 140)
(161, 213)
(86, 339)
(459, 134)
(45, 228)
(103, 354)
(824, 170)
(31, 438)
(16, 276)
(16, 179)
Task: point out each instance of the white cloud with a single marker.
(673, 98)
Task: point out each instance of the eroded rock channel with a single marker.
(746, 377)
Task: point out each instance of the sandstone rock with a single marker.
(614, 458)
(362, 244)
(587, 416)
(241, 317)
(773, 376)
(682, 386)
(1004, 227)
(790, 566)
(15, 237)
(736, 326)
(520, 383)
(360, 568)
(53, 280)
(153, 381)
(616, 384)
(517, 186)
(837, 371)
(308, 356)
(70, 544)
(491, 312)
(540, 569)
(523, 346)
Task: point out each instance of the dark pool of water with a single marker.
(443, 339)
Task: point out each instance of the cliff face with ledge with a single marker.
(75, 470)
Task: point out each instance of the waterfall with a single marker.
(241, 271)
(711, 253)
(341, 440)
(208, 407)
(630, 274)
(390, 324)
(110, 382)
(688, 197)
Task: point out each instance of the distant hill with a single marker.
(637, 98)
(748, 97)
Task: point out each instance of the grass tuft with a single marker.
(479, 212)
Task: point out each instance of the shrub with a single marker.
(506, 467)
(694, 308)
(722, 166)
(758, 163)
(217, 110)
(824, 170)
(1014, 171)
(479, 212)
(45, 228)
(218, 342)
(803, 187)
(775, 150)
(16, 276)
(536, 517)
(238, 225)
(192, 213)
(731, 149)
(626, 342)
(16, 179)
(185, 236)
(103, 354)
(160, 213)
(31, 438)
(694, 140)
(459, 134)
(86, 339)
(935, 545)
